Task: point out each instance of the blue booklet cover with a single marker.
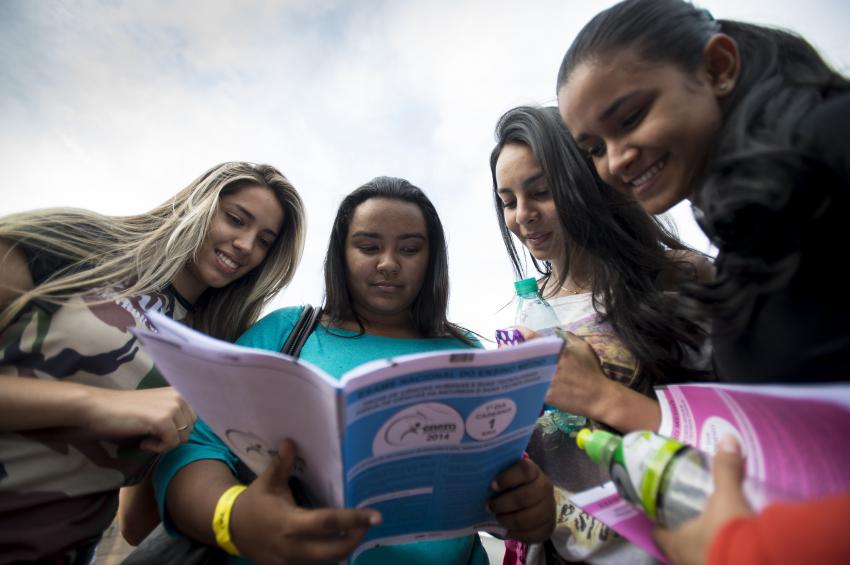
(418, 437)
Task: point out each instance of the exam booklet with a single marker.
(419, 437)
(793, 437)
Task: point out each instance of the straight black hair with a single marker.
(625, 249)
(429, 309)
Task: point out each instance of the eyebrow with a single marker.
(532, 179)
(526, 183)
(608, 112)
(376, 235)
(252, 217)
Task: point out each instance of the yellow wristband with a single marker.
(221, 518)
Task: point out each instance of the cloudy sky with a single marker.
(115, 105)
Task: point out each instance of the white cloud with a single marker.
(116, 105)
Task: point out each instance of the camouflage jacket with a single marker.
(59, 487)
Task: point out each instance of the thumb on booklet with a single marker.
(275, 478)
(728, 471)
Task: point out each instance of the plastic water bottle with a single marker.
(536, 314)
(666, 479)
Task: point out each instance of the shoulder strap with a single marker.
(305, 325)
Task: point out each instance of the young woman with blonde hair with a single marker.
(88, 250)
(82, 408)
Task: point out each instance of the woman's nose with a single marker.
(620, 158)
(388, 264)
(244, 243)
(526, 212)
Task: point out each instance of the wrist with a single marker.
(242, 524)
(602, 405)
(626, 410)
(222, 518)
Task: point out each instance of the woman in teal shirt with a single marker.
(386, 280)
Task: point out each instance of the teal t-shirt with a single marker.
(335, 352)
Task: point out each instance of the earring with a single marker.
(723, 87)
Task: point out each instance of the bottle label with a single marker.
(686, 486)
(508, 337)
(512, 336)
(645, 456)
(651, 484)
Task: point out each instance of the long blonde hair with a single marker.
(145, 252)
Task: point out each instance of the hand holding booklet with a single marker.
(792, 436)
(418, 437)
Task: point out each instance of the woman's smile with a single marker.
(538, 240)
(226, 263)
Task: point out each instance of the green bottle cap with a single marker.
(594, 442)
(582, 437)
(526, 286)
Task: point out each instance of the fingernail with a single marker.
(494, 485)
(375, 518)
(729, 444)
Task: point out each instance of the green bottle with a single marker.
(534, 313)
(666, 479)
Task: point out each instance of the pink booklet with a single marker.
(794, 439)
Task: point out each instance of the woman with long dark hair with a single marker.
(386, 276)
(750, 124)
(605, 266)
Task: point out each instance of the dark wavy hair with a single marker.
(754, 201)
(625, 249)
(428, 310)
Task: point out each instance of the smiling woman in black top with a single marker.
(750, 124)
